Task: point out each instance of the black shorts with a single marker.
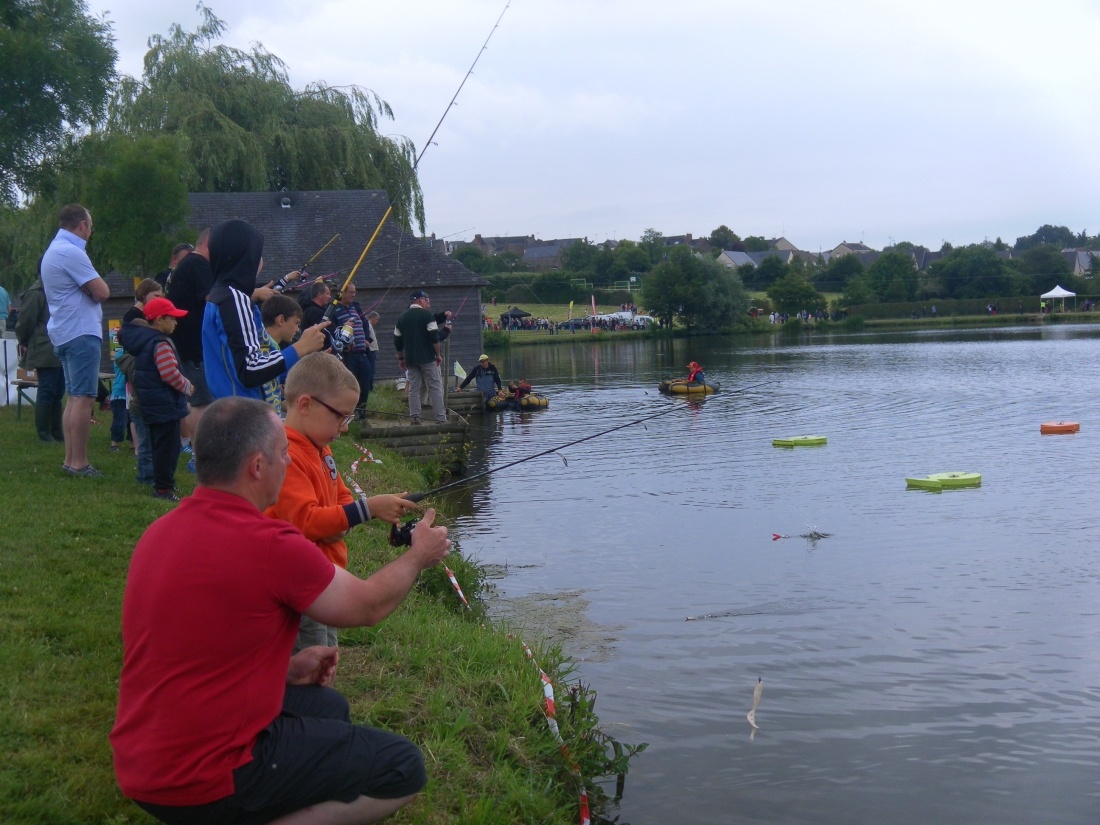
(193, 371)
(311, 753)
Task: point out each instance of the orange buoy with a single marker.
(1056, 427)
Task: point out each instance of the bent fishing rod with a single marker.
(468, 479)
(416, 162)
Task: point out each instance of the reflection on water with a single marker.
(934, 659)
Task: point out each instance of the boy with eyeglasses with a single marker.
(321, 394)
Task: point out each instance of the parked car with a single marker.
(642, 321)
(576, 323)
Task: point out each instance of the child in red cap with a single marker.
(695, 373)
(161, 389)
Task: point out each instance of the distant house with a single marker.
(732, 258)
(782, 244)
(1080, 260)
(296, 225)
(700, 245)
(497, 244)
(846, 248)
(547, 255)
(924, 257)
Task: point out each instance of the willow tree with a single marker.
(56, 66)
(245, 129)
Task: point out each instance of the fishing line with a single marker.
(461, 481)
(419, 157)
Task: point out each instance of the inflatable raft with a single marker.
(800, 441)
(681, 386)
(1057, 427)
(945, 481)
(531, 401)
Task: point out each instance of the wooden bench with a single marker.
(23, 384)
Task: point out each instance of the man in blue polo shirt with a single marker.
(75, 293)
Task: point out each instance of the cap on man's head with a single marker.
(483, 358)
(159, 307)
(416, 296)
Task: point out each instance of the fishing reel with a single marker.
(402, 536)
(342, 337)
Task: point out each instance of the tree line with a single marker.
(204, 117)
(698, 290)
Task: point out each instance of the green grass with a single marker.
(441, 674)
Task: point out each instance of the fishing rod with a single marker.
(283, 282)
(400, 536)
(419, 157)
(305, 266)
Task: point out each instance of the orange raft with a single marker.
(1057, 427)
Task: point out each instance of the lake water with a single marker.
(936, 658)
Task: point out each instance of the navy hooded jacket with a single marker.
(232, 328)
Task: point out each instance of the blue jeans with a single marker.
(80, 359)
(145, 450)
(118, 420)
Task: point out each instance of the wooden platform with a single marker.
(427, 443)
(465, 402)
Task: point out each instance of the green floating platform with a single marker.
(945, 481)
(800, 441)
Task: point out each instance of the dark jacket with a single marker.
(30, 329)
(416, 335)
(487, 378)
(160, 402)
(187, 288)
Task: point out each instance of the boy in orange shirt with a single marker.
(321, 394)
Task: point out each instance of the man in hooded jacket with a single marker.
(232, 326)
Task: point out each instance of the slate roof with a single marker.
(294, 232)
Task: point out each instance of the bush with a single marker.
(495, 339)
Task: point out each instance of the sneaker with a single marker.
(186, 448)
(191, 465)
(114, 448)
(165, 495)
(88, 471)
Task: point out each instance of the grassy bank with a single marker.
(434, 671)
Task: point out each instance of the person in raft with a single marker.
(695, 373)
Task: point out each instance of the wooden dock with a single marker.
(426, 443)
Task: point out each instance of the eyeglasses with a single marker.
(345, 419)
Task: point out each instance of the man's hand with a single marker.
(312, 340)
(262, 293)
(313, 666)
(430, 545)
(389, 507)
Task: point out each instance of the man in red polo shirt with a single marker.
(217, 722)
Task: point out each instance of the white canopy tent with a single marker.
(1059, 292)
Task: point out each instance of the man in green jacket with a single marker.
(37, 354)
(416, 338)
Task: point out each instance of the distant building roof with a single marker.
(296, 225)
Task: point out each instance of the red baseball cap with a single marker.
(159, 307)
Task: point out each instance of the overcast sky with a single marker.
(822, 122)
